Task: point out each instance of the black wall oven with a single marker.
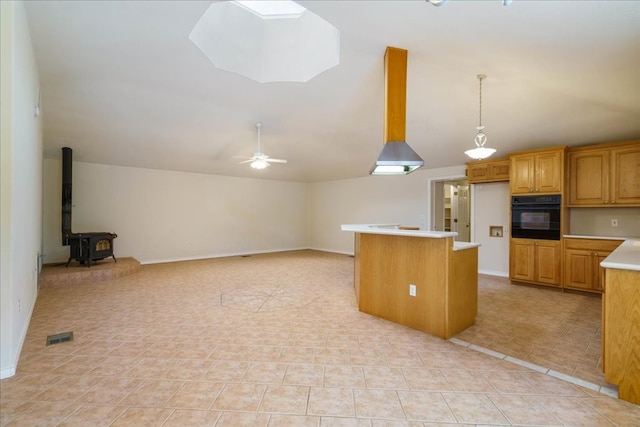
(536, 217)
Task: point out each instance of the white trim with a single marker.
(430, 186)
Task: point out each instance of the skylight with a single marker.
(267, 41)
(267, 9)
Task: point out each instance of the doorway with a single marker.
(451, 201)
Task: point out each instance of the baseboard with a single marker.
(222, 255)
(494, 273)
(333, 251)
(10, 370)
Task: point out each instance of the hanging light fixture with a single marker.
(480, 152)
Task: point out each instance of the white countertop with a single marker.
(580, 236)
(394, 229)
(625, 257)
(461, 246)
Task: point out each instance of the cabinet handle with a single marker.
(606, 201)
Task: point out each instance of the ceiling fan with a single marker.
(259, 160)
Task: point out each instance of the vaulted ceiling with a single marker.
(122, 84)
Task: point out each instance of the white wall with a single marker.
(491, 206)
(406, 200)
(167, 216)
(21, 183)
(371, 199)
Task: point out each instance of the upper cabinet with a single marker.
(488, 171)
(605, 175)
(537, 171)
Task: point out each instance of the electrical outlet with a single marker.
(412, 290)
(614, 222)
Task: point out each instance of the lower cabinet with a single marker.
(582, 258)
(535, 261)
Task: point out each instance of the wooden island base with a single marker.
(621, 332)
(445, 280)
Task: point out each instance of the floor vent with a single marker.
(58, 338)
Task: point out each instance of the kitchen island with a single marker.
(421, 279)
(621, 320)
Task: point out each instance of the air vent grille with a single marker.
(59, 338)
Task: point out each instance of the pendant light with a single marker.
(480, 152)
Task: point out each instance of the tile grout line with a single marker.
(608, 391)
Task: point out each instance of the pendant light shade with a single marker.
(480, 152)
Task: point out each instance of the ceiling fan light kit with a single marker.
(259, 160)
(480, 152)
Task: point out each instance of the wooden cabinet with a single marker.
(537, 171)
(621, 332)
(605, 175)
(488, 171)
(535, 261)
(582, 258)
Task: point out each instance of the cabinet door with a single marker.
(578, 265)
(589, 177)
(522, 174)
(548, 172)
(547, 262)
(499, 170)
(478, 172)
(521, 260)
(625, 175)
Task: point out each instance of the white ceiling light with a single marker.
(480, 152)
(267, 41)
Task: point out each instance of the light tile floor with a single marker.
(277, 340)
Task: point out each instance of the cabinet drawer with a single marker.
(592, 244)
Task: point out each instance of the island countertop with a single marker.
(394, 229)
(625, 257)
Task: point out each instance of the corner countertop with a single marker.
(580, 236)
(394, 229)
(625, 257)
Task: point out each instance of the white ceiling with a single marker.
(122, 84)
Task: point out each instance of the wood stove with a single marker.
(83, 247)
(90, 247)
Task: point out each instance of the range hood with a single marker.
(396, 158)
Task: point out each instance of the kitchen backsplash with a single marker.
(598, 222)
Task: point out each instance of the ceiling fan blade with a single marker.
(276, 160)
(246, 161)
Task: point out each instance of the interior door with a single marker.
(464, 214)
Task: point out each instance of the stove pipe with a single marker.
(67, 159)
